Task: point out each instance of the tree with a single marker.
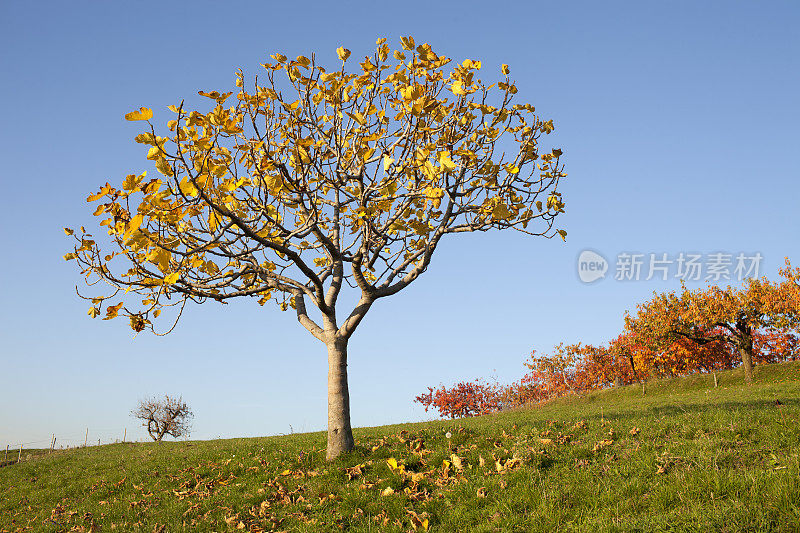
(464, 399)
(576, 369)
(725, 316)
(167, 416)
(330, 179)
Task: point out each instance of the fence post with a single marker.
(52, 443)
(86, 439)
(19, 455)
(125, 434)
(98, 442)
(6, 456)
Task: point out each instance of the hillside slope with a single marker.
(684, 456)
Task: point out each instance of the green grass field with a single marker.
(683, 457)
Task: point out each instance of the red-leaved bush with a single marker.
(463, 399)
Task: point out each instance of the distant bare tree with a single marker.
(167, 416)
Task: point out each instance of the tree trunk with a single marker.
(340, 434)
(746, 352)
(746, 348)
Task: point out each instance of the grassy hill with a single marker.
(684, 456)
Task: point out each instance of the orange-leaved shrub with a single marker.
(581, 368)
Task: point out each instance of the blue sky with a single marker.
(678, 123)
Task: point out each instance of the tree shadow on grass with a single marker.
(696, 407)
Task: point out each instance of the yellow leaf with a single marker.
(68, 231)
(501, 212)
(434, 192)
(93, 312)
(97, 196)
(445, 161)
(504, 69)
(286, 472)
(358, 117)
(343, 53)
(212, 221)
(392, 462)
(70, 256)
(153, 153)
(187, 188)
(143, 113)
(407, 42)
(388, 491)
(172, 278)
(164, 167)
(387, 163)
(134, 224)
(131, 181)
(113, 311)
(456, 462)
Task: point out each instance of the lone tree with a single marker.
(732, 316)
(167, 416)
(322, 180)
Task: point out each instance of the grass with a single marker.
(684, 457)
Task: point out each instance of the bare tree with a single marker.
(167, 416)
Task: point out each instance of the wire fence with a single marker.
(16, 452)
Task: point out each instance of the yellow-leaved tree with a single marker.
(310, 180)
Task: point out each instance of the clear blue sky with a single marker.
(678, 120)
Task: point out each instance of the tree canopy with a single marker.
(730, 315)
(272, 196)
